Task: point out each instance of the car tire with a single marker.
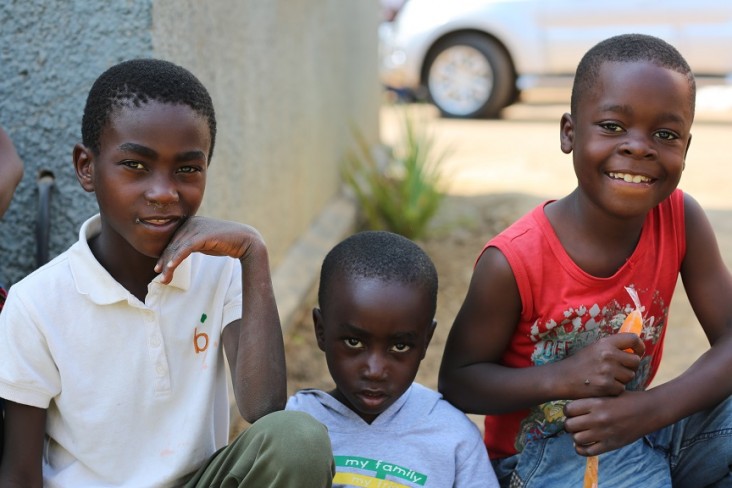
(469, 76)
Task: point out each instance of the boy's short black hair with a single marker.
(382, 255)
(628, 48)
(139, 81)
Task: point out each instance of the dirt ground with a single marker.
(458, 232)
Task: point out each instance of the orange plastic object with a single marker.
(591, 472)
(632, 323)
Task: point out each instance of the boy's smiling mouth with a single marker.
(630, 178)
(159, 222)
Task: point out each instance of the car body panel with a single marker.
(545, 39)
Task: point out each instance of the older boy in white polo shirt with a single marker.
(112, 364)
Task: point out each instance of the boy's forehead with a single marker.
(376, 294)
(353, 283)
(150, 109)
(621, 77)
(153, 113)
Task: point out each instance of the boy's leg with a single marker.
(283, 449)
(553, 462)
(699, 447)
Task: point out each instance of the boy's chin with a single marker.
(151, 253)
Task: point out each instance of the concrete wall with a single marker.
(288, 79)
(50, 53)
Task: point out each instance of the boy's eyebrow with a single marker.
(190, 156)
(404, 335)
(150, 153)
(352, 329)
(616, 107)
(628, 110)
(138, 149)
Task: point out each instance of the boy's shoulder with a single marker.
(49, 277)
(439, 409)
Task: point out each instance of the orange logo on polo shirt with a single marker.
(200, 339)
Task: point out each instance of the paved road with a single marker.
(520, 153)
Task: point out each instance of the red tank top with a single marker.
(564, 308)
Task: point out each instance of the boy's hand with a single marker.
(603, 368)
(208, 236)
(599, 425)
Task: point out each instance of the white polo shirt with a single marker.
(136, 392)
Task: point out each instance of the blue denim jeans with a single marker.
(695, 452)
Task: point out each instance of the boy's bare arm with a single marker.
(708, 285)
(25, 428)
(254, 346)
(11, 171)
(614, 422)
(471, 376)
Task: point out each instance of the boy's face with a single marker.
(374, 335)
(630, 136)
(149, 176)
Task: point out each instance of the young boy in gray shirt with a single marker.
(377, 297)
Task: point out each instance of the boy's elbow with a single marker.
(446, 387)
(449, 386)
(253, 411)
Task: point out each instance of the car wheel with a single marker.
(469, 76)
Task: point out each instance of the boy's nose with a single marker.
(375, 367)
(638, 146)
(162, 191)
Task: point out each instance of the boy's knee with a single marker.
(283, 449)
(297, 437)
(288, 426)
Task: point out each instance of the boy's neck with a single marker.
(134, 272)
(598, 243)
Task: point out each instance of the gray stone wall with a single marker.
(288, 78)
(50, 53)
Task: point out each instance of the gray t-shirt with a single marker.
(419, 441)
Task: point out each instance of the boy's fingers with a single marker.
(174, 254)
(638, 346)
(577, 407)
(627, 341)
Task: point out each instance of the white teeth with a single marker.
(630, 178)
(156, 221)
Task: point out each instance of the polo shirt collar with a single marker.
(93, 280)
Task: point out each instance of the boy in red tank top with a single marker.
(535, 346)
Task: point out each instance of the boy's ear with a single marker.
(688, 143)
(428, 337)
(84, 166)
(566, 133)
(319, 331)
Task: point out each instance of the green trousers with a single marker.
(283, 449)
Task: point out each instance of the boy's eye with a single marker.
(666, 135)
(401, 347)
(189, 169)
(611, 126)
(353, 343)
(133, 164)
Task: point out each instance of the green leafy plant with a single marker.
(398, 188)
